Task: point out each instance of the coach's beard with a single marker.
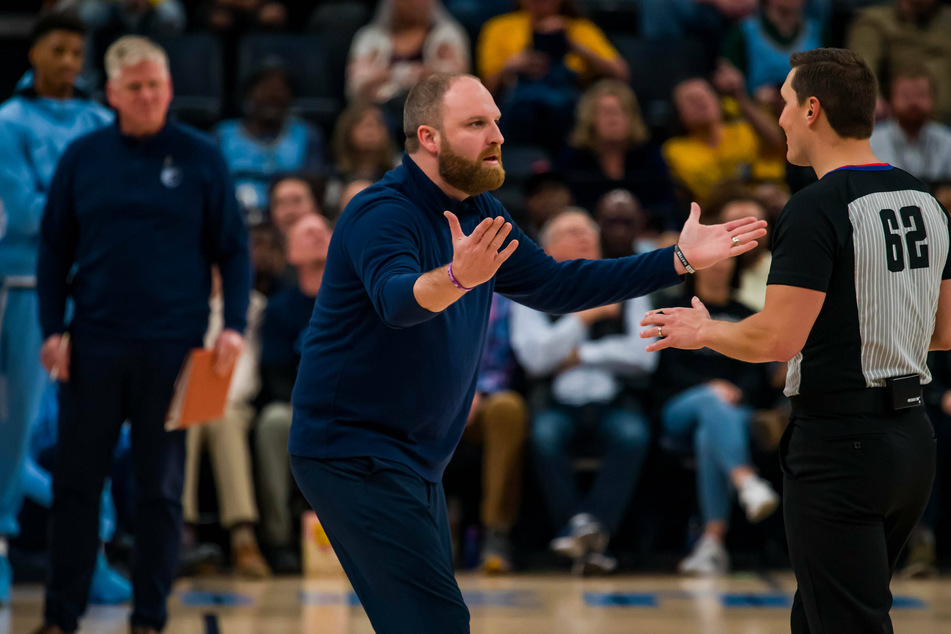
(471, 177)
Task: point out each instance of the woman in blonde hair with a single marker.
(610, 148)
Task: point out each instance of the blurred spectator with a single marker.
(406, 41)
(546, 194)
(705, 20)
(43, 116)
(753, 265)
(227, 442)
(708, 400)
(922, 552)
(498, 421)
(267, 141)
(108, 20)
(534, 60)
(294, 196)
(285, 319)
(350, 190)
(905, 33)
(623, 223)
(911, 140)
(362, 145)
(242, 15)
(610, 147)
(713, 150)
(363, 149)
(760, 45)
(582, 366)
(267, 258)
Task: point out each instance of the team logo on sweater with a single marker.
(171, 175)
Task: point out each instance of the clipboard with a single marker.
(200, 394)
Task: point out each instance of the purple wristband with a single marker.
(455, 282)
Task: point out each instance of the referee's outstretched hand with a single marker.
(476, 257)
(677, 327)
(705, 245)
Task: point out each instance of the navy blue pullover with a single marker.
(382, 376)
(142, 221)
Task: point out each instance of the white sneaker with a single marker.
(758, 499)
(709, 558)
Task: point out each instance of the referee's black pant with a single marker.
(853, 489)
(109, 383)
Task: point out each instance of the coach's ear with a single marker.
(812, 114)
(428, 138)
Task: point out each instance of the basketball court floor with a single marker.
(518, 604)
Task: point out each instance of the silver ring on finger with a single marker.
(736, 241)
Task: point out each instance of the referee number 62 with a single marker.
(916, 238)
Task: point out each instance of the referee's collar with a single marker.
(868, 167)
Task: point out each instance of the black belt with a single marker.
(873, 400)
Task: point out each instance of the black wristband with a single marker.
(683, 259)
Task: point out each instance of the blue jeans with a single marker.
(622, 436)
(22, 381)
(720, 435)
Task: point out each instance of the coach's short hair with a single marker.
(844, 85)
(424, 105)
(131, 50)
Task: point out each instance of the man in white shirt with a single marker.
(912, 140)
(583, 367)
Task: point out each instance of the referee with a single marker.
(859, 292)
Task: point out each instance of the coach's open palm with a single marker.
(705, 245)
(476, 257)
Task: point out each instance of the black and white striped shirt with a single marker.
(877, 244)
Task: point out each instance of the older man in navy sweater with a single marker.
(137, 215)
(390, 359)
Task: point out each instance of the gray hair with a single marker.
(544, 235)
(131, 50)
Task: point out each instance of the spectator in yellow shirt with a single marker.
(714, 150)
(534, 60)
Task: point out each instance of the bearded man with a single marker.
(390, 359)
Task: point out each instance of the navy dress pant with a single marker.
(390, 530)
(111, 382)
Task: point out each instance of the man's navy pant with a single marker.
(390, 530)
(111, 382)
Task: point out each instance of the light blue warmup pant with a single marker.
(22, 380)
(720, 435)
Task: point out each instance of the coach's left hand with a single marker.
(705, 245)
(228, 348)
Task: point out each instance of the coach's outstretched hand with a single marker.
(705, 245)
(476, 257)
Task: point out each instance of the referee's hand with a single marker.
(677, 327)
(476, 257)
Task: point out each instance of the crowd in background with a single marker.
(606, 146)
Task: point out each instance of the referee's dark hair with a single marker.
(844, 85)
(65, 20)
